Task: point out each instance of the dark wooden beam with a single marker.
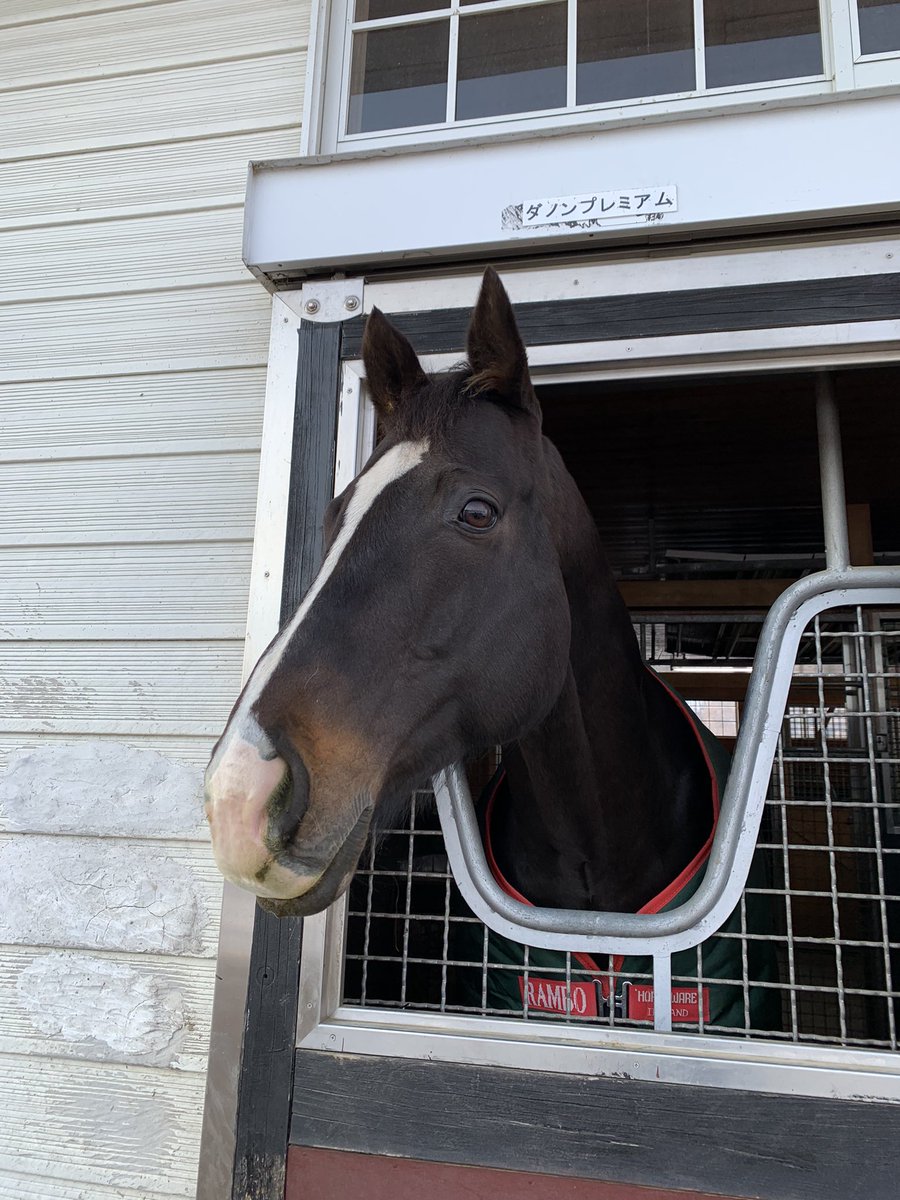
(859, 533)
(656, 314)
(698, 594)
(618, 1130)
(728, 685)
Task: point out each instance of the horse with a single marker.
(464, 602)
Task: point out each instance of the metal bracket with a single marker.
(331, 300)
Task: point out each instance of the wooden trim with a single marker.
(724, 685)
(859, 535)
(747, 594)
(626, 1131)
(312, 457)
(267, 1056)
(336, 1174)
(657, 314)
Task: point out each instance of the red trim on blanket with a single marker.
(668, 893)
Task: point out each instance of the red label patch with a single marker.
(685, 1004)
(556, 996)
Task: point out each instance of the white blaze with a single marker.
(398, 461)
(244, 764)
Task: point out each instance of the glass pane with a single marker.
(399, 77)
(749, 41)
(512, 61)
(377, 10)
(879, 26)
(627, 49)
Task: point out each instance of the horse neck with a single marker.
(610, 793)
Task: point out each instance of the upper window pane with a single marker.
(750, 41)
(512, 61)
(879, 26)
(398, 77)
(377, 10)
(417, 63)
(627, 49)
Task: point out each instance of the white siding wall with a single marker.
(132, 363)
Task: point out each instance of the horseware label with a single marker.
(622, 206)
(685, 1004)
(556, 996)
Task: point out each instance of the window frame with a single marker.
(859, 58)
(846, 73)
(324, 1022)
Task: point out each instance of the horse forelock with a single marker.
(432, 409)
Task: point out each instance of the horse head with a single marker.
(437, 626)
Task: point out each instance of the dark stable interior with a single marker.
(706, 493)
(725, 465)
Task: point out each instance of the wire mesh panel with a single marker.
(813, 952)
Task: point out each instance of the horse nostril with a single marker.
(291, 800)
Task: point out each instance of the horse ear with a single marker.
(495, 348)
(392, 368)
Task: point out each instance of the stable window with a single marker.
(414, 71)
(696, 449)
(671, 471)
(691, 428)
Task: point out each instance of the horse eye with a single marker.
(478, 514)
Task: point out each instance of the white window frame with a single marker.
(880, 65)
(323, 1022)
(846, 72)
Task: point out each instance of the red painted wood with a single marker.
(337, 1175)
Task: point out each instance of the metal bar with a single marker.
(873, 802)
(662, 993)
(831, 467)
(742, 804)
(830, 848)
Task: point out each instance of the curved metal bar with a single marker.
(742, 804)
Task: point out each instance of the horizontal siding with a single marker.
(190, 329)
(132, 1127)
(53, 10)
(189, 175)
(160, 107)
(132, 369)
(101, 592)
(134, 39)
(122, 256)
(120, 688)
(39, 1187)
(135, 414)
(119, 861)
(191, 979)
(141, 499)
(194, 749)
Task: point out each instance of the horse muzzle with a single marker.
(256, 804)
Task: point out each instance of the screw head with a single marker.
(351, 303)
(311, 306)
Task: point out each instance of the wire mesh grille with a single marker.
(813, 952)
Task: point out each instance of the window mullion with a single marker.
(699, 47)
(572, 54)
(840, 37)
(452, 58)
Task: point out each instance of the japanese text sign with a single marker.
(624, 205)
